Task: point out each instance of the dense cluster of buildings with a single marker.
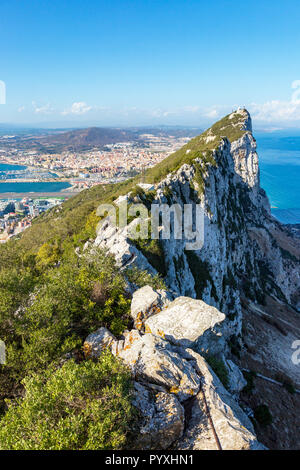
(84, 169)
(16, 215)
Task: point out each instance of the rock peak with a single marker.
(244, 118)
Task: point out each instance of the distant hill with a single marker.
(88, 138)
(85, 139)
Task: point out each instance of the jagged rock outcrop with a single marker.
(155, 360)
(147, 302)
(169, 379)
(118, 243)
(96, 342)
(231, 425)
(180, 400)
(236, 379)
(188, 322)
(240, 235)
(162, 418)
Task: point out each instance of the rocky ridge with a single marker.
(181, 401)
(248, 263)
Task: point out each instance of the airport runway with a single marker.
(64, 194)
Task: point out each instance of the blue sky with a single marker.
(139, 62)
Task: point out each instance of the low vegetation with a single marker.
(201, 274)
(219, 369)
(262, 415)
(200, 147)
(51, 298)
(152, 250)
(249, 376)
(85, 406)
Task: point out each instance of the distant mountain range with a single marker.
(85, 139)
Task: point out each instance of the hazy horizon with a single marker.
(48, 126)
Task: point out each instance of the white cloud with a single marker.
(77, 108)
(191, 109)
(276, 110)
(212, 113)
(21, 109)
(183, 111)
(44, 109)
(296, 94)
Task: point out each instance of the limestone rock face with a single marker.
(96, 342)
(235, 377)
(155, 360)
(162, 418)
(166, 375)
(117, 242)
(188, 322)
(246, 160)
(128, 338)
(231, 424)
(147, 302)
(240, 235)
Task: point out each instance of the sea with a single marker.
(279, 158)
(4, 167)
(38, 187)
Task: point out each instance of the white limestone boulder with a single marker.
(154, 360)
(236, 379)
(232, 426)
(147, 302)
(189, 322)
(96, 342)
(162, 418)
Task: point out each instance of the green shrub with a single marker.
(152, 250)
(137, 192)
(249, 376)
(219, 369)
(79, 406)
(48, 255)
(57, 309)
(201, 274)
(262, 415)
(64, 310)
(143, 278)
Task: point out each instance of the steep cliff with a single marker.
(248, 266)
(245, 249)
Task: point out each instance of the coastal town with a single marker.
(78, 170)
(83, 169)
